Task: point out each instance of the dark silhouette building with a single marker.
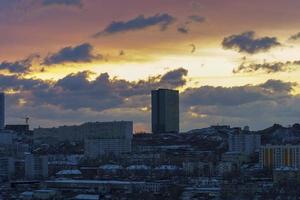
(22, 129)
(165, 111)
(2, 110)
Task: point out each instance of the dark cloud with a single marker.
(78, 54)
(138, 23)
(194, 48)
(23, 85)
(267, 67)
(174, 78)
(7, 3)
(278, 86)
(247, 43)
(295, 37)
(183, 30)
(208, 95)
(77, 3)
(20, 66)
(196, 18)
(26, 5)
(121, 53)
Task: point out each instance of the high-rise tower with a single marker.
(2, 110)
(165, 111)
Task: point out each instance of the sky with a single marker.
(234, 62)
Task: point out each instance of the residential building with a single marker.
(36, 166)
(111, 142)
(278, 156)
(97, 147)
(7, 167)
(244, 142)
(165, 111)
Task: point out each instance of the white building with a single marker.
(244, 142)
(110, 141)
(7, 167)
(36, 166)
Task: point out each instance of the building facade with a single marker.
(36, 166)
(278, 156)
(165, 111)
(98, 147)
(113, 142)
(7, 167)
(244, 142)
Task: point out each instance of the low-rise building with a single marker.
(235, 157)
(100, 146)
(105, 185)
(286, 173)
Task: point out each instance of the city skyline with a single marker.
(68, 62)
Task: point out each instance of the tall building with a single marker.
(278, 156)
(2, 110)
(165, 111)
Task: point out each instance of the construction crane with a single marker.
(27, 120)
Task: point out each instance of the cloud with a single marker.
(21, 5)
(18, 83)
(20, 66)
(78, 54)
(77, 3)
(196, 18)
(278, 86)
(247, 43)
(183, 30)
(194, 48)
(174, 78)
(209, 95)
(295, 37)
(274, 67)
(121, 53)
(138, 23)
